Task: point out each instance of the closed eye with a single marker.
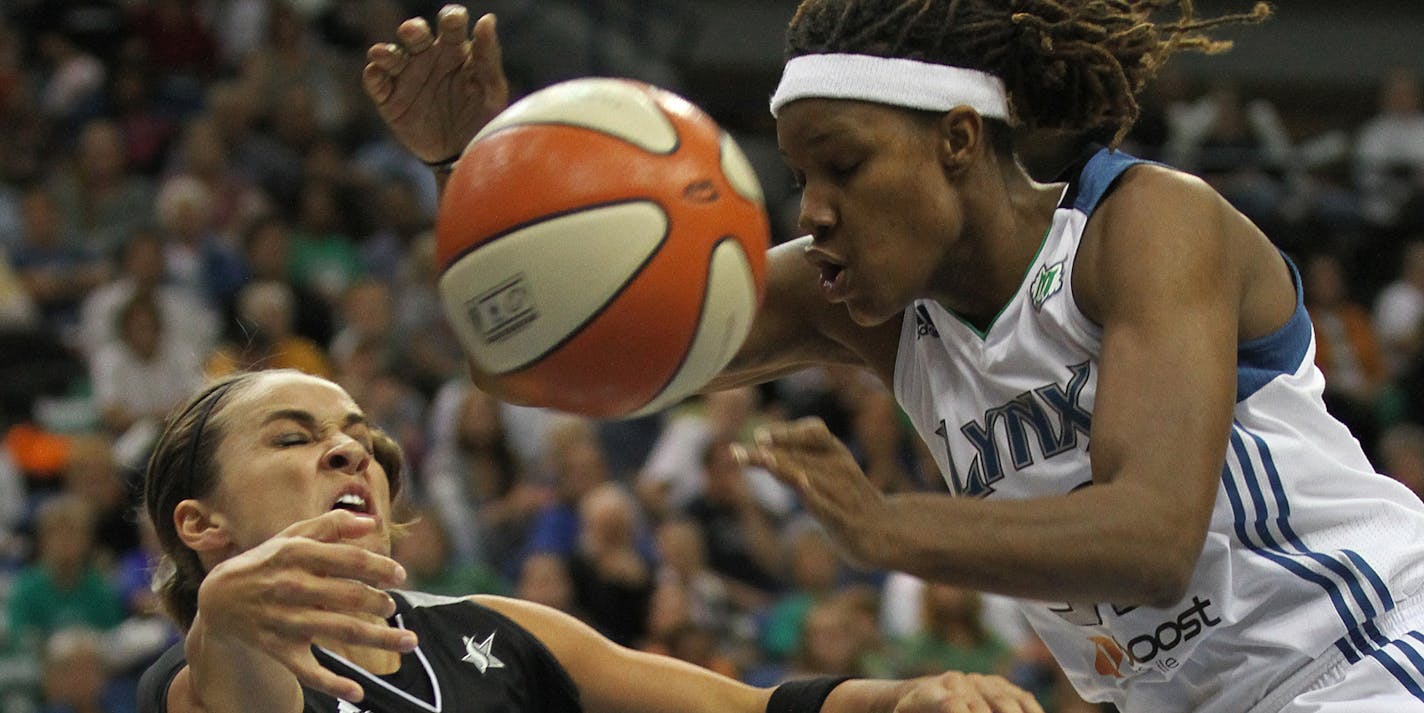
(286, 440)
(842, 172)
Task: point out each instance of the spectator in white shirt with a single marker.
(141, 268)
(1389, 152)
(140, 377)
(1399, 309)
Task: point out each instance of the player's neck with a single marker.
(989, 272)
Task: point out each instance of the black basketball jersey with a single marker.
(471, 659)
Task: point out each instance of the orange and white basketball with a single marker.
(601, 247)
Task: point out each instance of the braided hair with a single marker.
(1074, 65)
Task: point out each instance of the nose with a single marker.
(347, 455)
(817, 215)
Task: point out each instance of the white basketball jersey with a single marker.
(1308, 547)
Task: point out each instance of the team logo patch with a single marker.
(1046, 283)
(480, 655)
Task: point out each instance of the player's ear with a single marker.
(960, 133)
(201, 528)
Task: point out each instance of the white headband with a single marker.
(901, 82)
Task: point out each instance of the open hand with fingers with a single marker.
(805, 455)
(307, 583)
(955, 692)
(436, 90)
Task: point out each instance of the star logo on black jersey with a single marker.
(480, 654)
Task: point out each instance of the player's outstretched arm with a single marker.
(250, 646)
(437, 90)
(614, 679)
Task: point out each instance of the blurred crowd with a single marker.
(191, 187)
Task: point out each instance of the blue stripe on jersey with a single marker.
(1399, 673)
(1098, 175)
(1238, 510)
(1283, 519)
(1280, 352)
(1407, 673)
(1267, 545)
(1417, 671)
(1378, 584)
(1347, 650)
(1408, 669)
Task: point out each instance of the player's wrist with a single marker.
(803, 695)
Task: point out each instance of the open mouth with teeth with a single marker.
(833, 280)
(353, 502)
(832, 274)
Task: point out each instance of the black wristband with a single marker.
(443, 166)
(804, 695)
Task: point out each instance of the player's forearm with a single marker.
(229, 676)
(1103, 543)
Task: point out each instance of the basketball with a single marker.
(601, 248)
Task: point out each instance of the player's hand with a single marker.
(436, 91)
(805, 455)
(304, 584)
(956, 692)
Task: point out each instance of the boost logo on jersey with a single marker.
(1112, 656)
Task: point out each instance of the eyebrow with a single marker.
(306, 419)
(818, 138)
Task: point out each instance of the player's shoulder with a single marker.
(426, 600)
(508, 607)
(424, 607)
(1156, 207)
(1149, 191)
(1155, 225)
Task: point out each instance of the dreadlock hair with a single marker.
(1074, 65)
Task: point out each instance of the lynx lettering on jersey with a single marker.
(1030, 412)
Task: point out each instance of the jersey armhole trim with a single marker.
(1261, 360)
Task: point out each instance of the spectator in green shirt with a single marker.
(952, 636)
(64, 587)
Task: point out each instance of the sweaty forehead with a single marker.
(809, 123)
(290, 392)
